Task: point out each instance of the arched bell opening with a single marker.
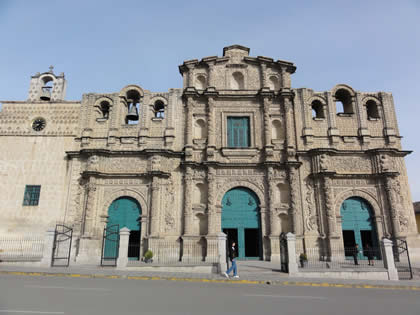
(133, 106)
(46, 89)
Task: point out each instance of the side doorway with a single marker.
(126, 212)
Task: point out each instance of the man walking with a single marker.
(355, 254)
(232, 257)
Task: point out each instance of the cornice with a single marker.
(104, 152)
(332, 151)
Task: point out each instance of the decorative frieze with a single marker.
(349, 164)
(310, 217)
(239, 172)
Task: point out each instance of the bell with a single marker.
(132, 113)
(45, 93)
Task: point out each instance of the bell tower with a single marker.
(47, 87)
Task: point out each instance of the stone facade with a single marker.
(303, 160)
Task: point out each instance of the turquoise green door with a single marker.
(241, 218)
(357, 225)
(125, 212)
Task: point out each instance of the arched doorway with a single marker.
(357, 225)
(126, 211)
(241, 222)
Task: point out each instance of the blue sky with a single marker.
(103, 45)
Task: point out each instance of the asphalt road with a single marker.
(58, 295)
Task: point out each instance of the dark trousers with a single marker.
(356, 262)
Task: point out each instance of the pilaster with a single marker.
(188, 215)
(290, 127)
(154, 218)
(390, 188)
(90, 205)
(333, 132)
(295, 201)
(213, 215)
(329, 207)
(362, 119)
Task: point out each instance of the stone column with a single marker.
(389, 259)
(265, 227)
(291, 251)
(123, 249)
(190, 76)
(362, 119)
(189, 122)
(222, 257)
(154, 217)
(389, 114)
(333, 132)
(290, 128)
(274, 237)
(333, 237)
(295, 201)
(267, 131)
(90, 208)
(391, 191)
(213, 217)
(285, 78)
(48, 247)
(329, 206)
(211, 76)
(264, 75)
(188, 215)
(211, 136)
(213, 226)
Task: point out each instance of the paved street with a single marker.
(59, 295)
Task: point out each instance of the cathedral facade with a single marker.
(236, 150)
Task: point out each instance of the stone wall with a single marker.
(178, 166)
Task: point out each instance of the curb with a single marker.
(203, 280)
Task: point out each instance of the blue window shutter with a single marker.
(230, 132)
(238, 132)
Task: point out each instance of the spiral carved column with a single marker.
(154, 225)
(390, 184)
(188, 215)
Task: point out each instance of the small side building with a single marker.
(417, 214)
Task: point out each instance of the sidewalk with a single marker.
(250, 273)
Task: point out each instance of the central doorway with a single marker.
(125, 212)
(358, 227)
(241, 222)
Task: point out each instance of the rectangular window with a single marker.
(238, 132)
(31, 197)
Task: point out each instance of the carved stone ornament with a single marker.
(280, 174)
(169, 221)
(125, 165)
(155, 163)
(93, 163)
(199, 174)
(310, 218)
(323, 162)
(350, 164)
(270, 173)
(403, 222)
(385, 163)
